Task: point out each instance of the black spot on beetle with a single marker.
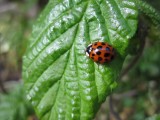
(99, 47)
(107, 48)
(106, 55)
(93, 54)
(98, 53)
(99, 58)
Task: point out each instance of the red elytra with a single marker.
(100, 52)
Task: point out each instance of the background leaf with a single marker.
(61, 82)
(14, 106)
(154, 117)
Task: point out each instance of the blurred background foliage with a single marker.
(137, 97)
(14, 106)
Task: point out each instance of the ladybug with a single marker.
(100, 52)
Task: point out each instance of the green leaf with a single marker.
(60, 80)
(150, 11)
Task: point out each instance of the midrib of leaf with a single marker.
(96, 68)
(51, 116)
(37, 82)
(63, 72)
(79, 47)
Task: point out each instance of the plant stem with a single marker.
(113, 112)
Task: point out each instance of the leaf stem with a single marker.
(113, 112)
